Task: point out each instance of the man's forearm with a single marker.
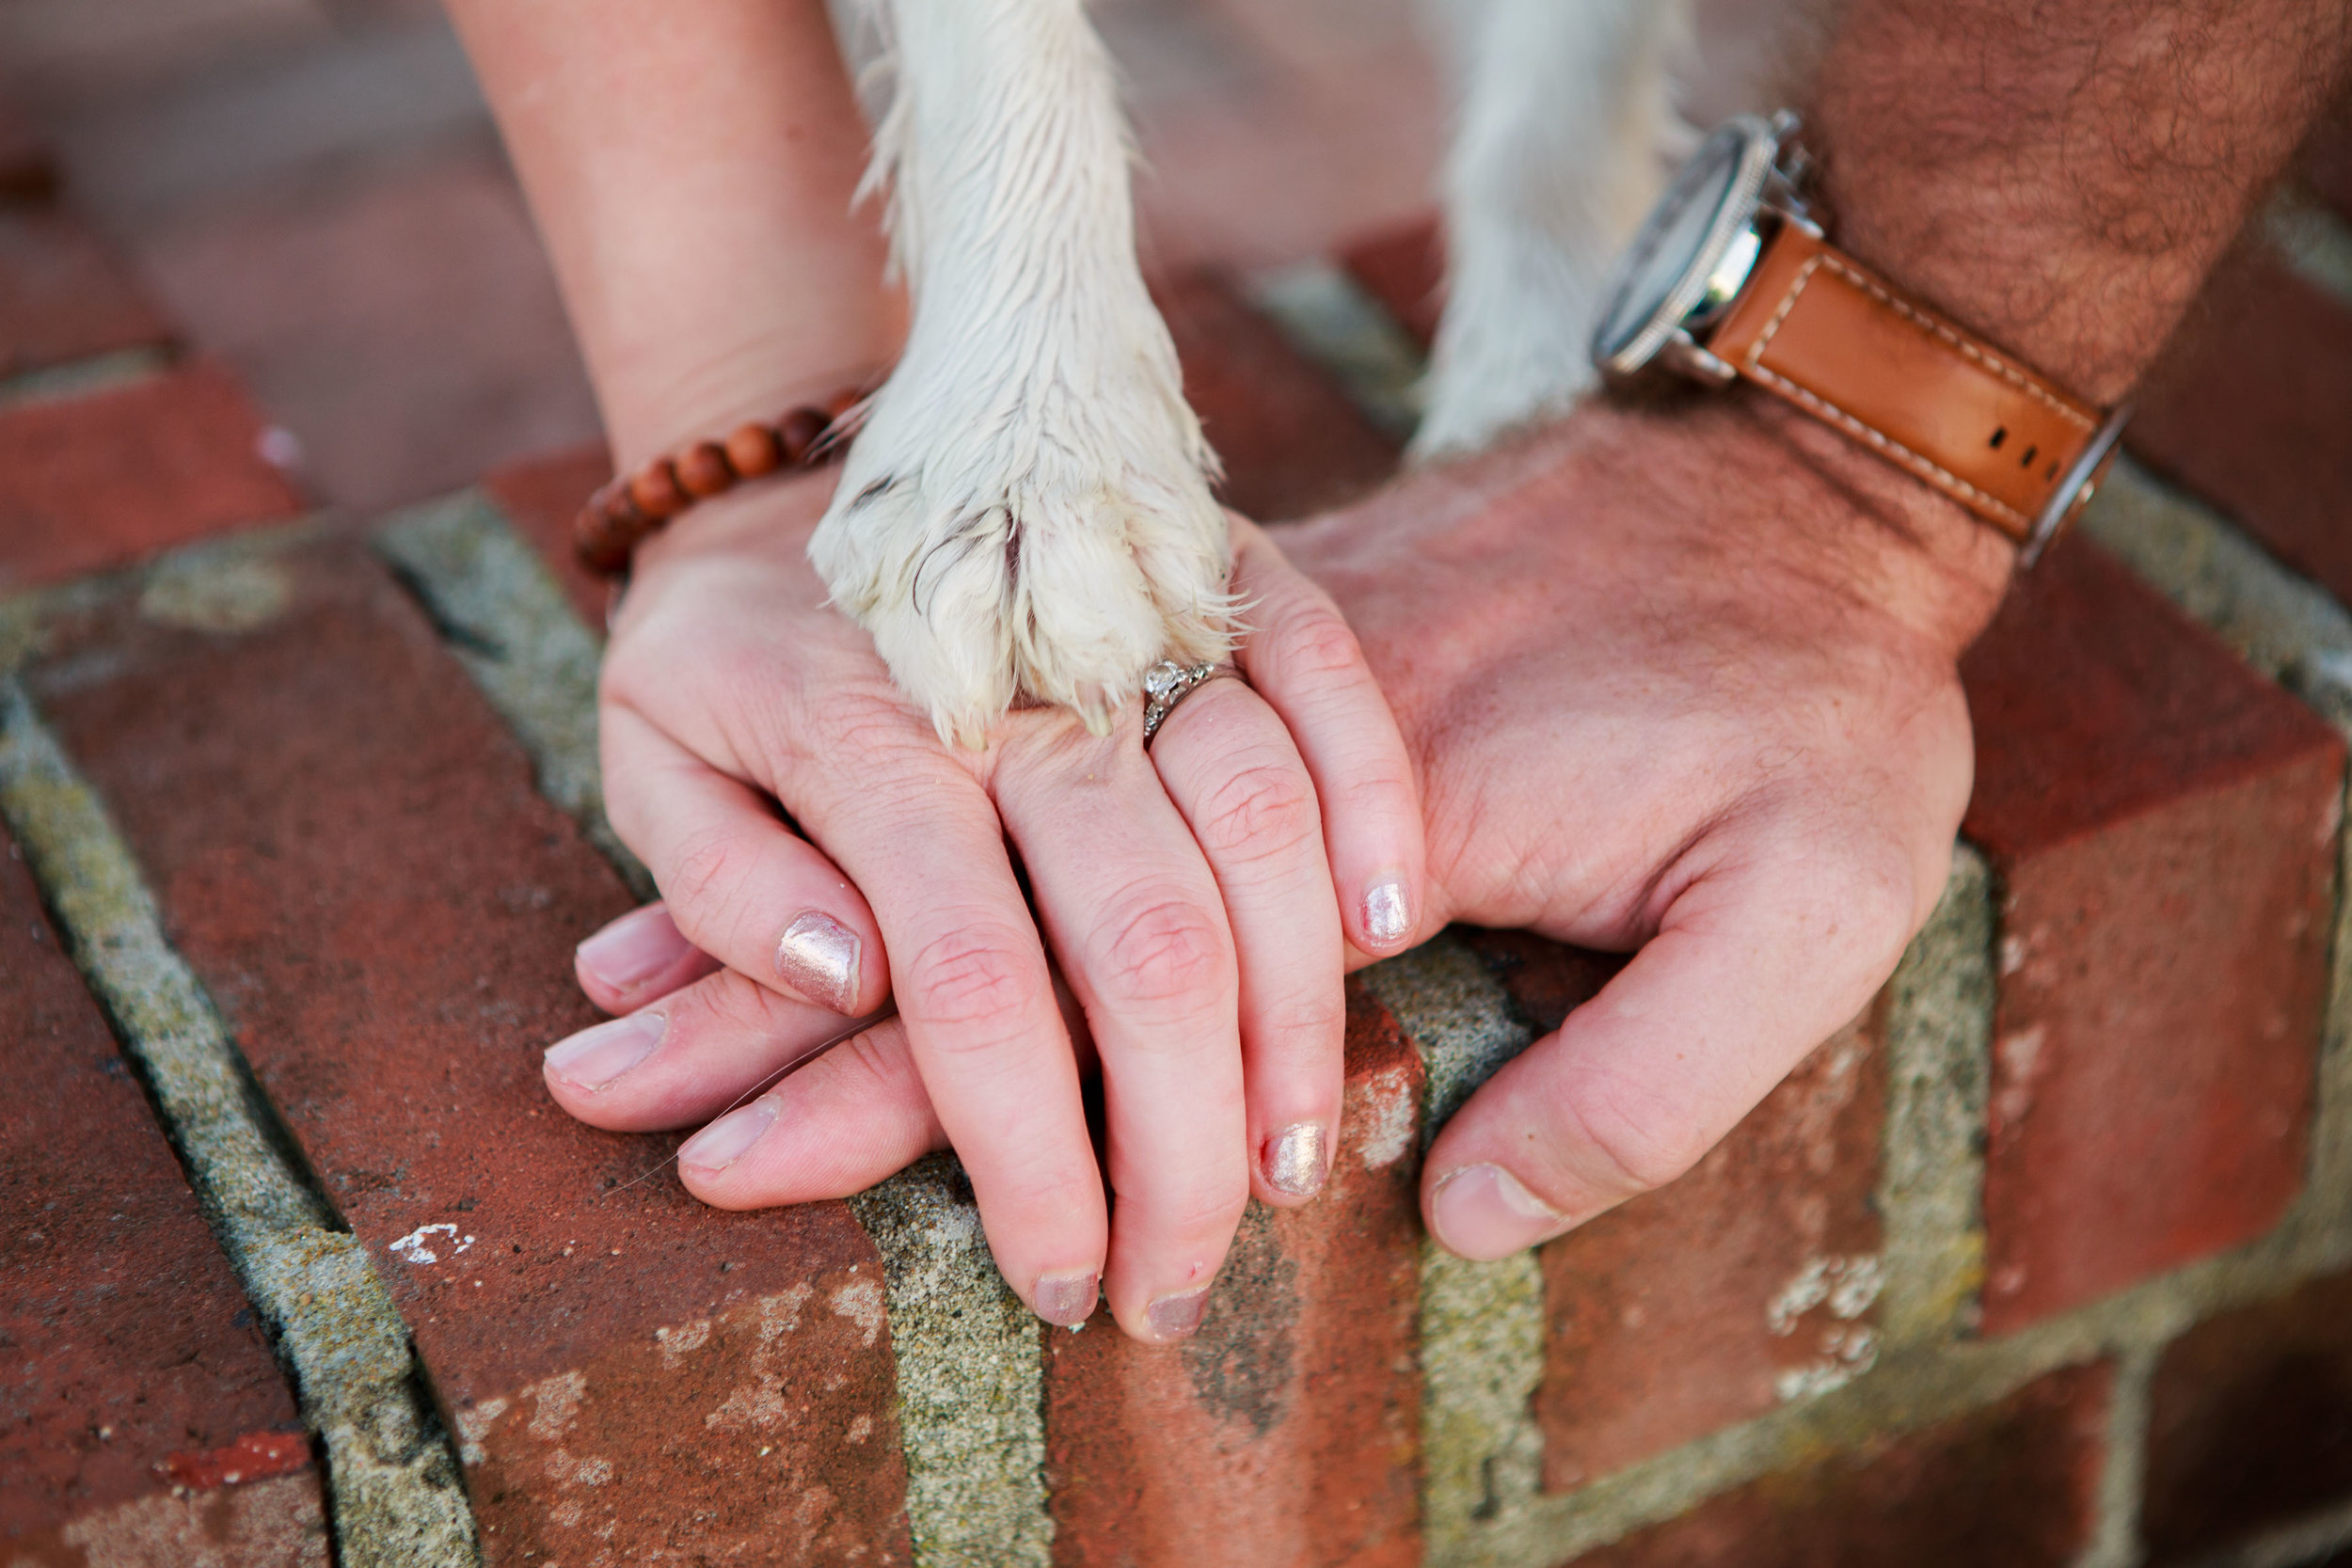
(691, 169)
(2061, 176)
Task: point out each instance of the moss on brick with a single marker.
(971, 1377)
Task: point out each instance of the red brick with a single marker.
(2162, 822)
(1292, 1422)
(1292, 442)
(62, 296)
(1404, 268)
(2014, 1484)
(133, 1383)
(27, 173)
(348, 851)
(405, 324)
(1751, 1281)
(539, 496)
(2251, 1422)
(96, 481)
(2251, 408)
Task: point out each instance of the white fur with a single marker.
(1027, 508)
(1566, 132)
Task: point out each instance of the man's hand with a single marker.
(1682, 683)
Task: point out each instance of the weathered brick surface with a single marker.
(1292, 442)
(94, 481)
(1285, 1434)
(2015, 1484)
(62, 296)
(142, 1418)
(2163, 823)
(2251, 408)
(2251, 1422)
(348, 847)
(1404, 268)
(1752, 1280)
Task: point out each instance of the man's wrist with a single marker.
(2060, 180)
(1858, 525)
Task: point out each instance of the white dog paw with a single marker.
(1029, 543)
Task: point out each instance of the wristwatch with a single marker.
(1731, 276)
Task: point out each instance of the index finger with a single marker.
(977, 1000)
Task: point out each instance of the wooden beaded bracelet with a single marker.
(630, 509)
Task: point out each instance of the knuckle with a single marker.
(1312, 643)
(973, 975)
(1157, 949)
(706, 881)
(1264, 809)
(1640, 1145)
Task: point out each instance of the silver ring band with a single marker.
(1167, 683)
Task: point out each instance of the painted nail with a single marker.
(1175, 1317)
(724, 1141)
(634, 949)
(593, 1057)
(1483, 1212)
(818, 957)
(1067, 1300)
(1387, 920)
(1293, 1159)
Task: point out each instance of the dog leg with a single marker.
(1026, 510)
(1565, 134)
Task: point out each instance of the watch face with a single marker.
(1665, 272)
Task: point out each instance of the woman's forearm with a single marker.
(691, 171)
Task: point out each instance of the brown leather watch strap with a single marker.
(1820, 330)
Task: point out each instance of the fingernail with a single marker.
(1066, 1300)
(724, 1141)
(1293, 1159)
(818, 957)
(634, 949)
(1175, 1317)
(1483, 1212)
(1388, 919)
(594, 1057)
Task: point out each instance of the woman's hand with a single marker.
(1186, 894)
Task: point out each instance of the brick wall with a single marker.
(2046, 1258)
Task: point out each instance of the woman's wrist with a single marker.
(666, 397)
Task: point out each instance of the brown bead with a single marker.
(753, 451)
(603, 541)
(800, 431)
(619, 505)
(703, 470)
(656, 490)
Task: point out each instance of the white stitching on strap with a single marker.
(1925, 466)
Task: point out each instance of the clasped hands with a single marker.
(1679, 683)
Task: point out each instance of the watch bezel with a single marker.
(1759, 143)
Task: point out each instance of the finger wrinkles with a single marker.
(1309, 646)
(707, 887)
(1256, 813)
(1640, 1143)
(1156, 949)
(974, 973)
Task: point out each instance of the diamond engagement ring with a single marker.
(1167, 683)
